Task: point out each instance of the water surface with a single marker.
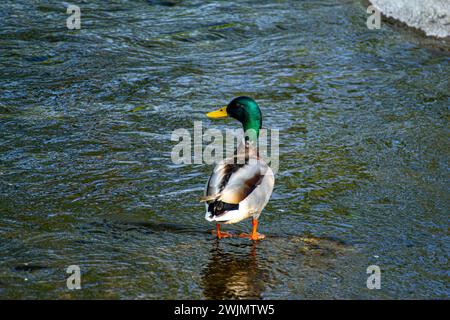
(86, 176)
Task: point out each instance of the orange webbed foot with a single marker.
(221, 234)
(254, 236)
(251, 236)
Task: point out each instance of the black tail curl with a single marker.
(218, 207)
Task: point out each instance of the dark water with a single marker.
(86, 176)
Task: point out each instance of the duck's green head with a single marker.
(244, 109)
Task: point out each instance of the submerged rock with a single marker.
(430, 16)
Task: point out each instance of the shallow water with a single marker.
(86, 176)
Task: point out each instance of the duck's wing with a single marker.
(233, 182)
(258, 198)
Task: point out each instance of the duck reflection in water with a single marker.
(235, 275)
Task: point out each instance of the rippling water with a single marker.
(86, 176)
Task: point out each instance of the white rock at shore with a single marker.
(430, 16)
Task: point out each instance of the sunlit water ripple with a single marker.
(85, 170)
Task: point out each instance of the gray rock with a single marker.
(430, 16)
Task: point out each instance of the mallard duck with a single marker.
(239, 186)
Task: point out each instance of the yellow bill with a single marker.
(221, 113)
